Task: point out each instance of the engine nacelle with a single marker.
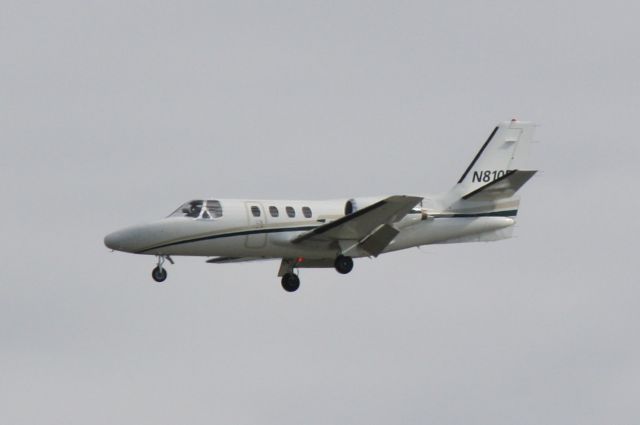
(417, 214)
(355, 204)
(350, 207)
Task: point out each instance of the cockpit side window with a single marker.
(215, 208)
(199, 209)
(192, 209)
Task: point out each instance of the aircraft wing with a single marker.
(371, 225)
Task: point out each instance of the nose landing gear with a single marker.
(159, 274)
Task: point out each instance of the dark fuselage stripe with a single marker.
(509, 213)
(230, 235)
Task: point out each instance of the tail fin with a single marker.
(498, 169)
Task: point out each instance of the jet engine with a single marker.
(355, 204)
(350, 207)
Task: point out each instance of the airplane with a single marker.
(481, 206)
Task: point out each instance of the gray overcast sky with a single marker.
(115, 112)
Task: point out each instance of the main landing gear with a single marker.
(343, 264)
(291, 281)
(159, 274)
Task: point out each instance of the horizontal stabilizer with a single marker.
(503, 187)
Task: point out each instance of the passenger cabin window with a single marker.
(255, 211)
(290, 212)
(274, 211)
(199, 209)
(306, 211)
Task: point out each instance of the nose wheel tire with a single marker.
(290, 282)
(159, 274)
(343, 264)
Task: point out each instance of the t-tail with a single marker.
(489, 184)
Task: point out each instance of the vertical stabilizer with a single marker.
(499, 168)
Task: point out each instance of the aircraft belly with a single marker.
(230, 246)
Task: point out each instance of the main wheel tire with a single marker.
(343, 264)
(159, 275)
(290, 282)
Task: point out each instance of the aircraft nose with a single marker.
(136, 239)
(116, 240)
(130, 239)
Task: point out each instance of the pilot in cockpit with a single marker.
(199, 209)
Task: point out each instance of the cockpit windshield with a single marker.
(199, 209)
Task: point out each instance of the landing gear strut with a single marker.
(343, 264)
(290, 282)
(159, 274)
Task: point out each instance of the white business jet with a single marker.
(311, 234)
